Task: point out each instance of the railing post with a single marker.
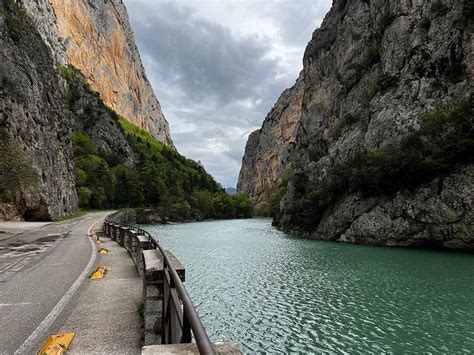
(186, 336)
(164, 290)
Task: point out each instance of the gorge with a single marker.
(350, 228)
(372, 144)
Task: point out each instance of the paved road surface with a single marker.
(39, 270)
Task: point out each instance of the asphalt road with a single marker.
(41, 273)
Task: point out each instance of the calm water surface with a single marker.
(269, 292)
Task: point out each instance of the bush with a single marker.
(262, 211)
(367, 92)
(84, 196)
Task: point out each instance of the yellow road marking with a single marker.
(57, 344)
(98, 273)
(103, 251)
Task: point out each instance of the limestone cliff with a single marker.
(267, 150)
(368, 73)
(96, 37)
(34, 117)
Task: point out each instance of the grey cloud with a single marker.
(216, 86)
(203, 58)
(298, 20)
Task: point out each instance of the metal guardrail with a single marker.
(178, 309)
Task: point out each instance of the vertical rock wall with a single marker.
(267, 151)
(33, 115)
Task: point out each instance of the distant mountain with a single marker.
(231, 190)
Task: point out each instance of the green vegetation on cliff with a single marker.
(175, 187)
(443, 143)
(16, 172)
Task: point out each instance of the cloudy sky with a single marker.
(217, 68)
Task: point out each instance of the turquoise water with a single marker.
(270, 292)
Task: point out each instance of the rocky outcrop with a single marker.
(438, 214)
(96, 37)
(267, 149)
(33, 115)
(369, 71)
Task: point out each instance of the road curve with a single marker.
(40, 272)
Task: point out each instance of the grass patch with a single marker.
(134, 131)
(78, 214)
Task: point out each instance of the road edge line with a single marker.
(51, 317)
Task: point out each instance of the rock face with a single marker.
(88, 114)
(96, 37)
(438, 214)
(33, 115)
(368, 72)
(267, 150)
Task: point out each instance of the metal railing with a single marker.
(180, 320)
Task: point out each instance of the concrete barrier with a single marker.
(149, 263)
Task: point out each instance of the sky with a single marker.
(218, 66)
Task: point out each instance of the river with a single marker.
(270, 292)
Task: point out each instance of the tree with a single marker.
(84, 195)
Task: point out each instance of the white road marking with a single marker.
(57, 264)
(15, 304)
(50, 318)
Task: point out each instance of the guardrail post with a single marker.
(121, 235)
(114, 233)
(151, 298)
(133, 244)
(143, 244)
(126, 238)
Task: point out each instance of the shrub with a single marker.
(425, 24)
(367, 92)
(337, 130)
(262, 211)
(373, 53)
(84, 196)
(16, 171)
(439, 9)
